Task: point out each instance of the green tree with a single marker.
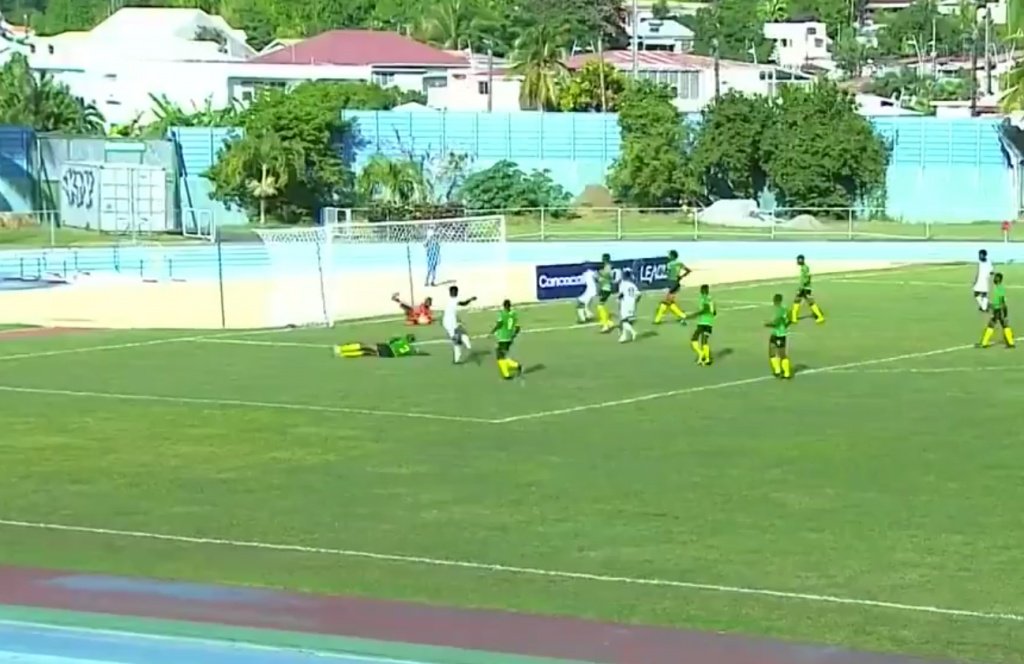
(596, 87)
(37, 101)
(727, 151)
(652, 170)
(819, 153)
(660, 10)
(459, 24)
(64, 15)
(255, 17)
(910, 31)
(393, 182)
(773, 10)
(504, 186)
(738, 28)
(305, 125)
(583, 22)
(539, 59)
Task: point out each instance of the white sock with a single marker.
(581, 314)
(466, 343)
(627, 331)
(458, 352)
(983, 302)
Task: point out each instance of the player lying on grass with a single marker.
(778, 356)
(505, 332)
(803, 294)
(396, 347)
(701, 339)
(676, 272)
(1000, 314)
(420, 314)
(453, 326)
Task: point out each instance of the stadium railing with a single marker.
(687, 223)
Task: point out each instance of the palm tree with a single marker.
(773, 10)
(539, 59)
(457, 24)
(260, 165)
(393, 181)
(36, 100)
(169, 114)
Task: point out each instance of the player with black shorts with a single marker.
(778, 354)
(701, 339)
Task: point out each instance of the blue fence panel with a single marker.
(17, 184)
(197, 149)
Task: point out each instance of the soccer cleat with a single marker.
(820, 321)
(337, 351)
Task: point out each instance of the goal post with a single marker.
(337, 271)
(419, 259)
(301, 276)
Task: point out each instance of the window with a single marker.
(382, 78)
(435, 82)
(246, 96)
(689, 85)
(685, 84)
(819, 42)
(812, 30)
(483, 87)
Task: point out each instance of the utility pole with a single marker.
(490, 78)
(600, 60)
(635, 38)
(988, 49)
(715, 46)
(974, 63)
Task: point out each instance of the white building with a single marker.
(878, 106)
(693, 76)
(799, 44)
(192, 58)
(653, 34)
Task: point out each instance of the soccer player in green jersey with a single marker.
(777, 354)
(505, 331)
(605, 289)
(395, 347)
(676, 272)
(803, 294)
(1000, 314)
(701, 339)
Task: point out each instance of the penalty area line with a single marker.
(719, 386)
(497, 568)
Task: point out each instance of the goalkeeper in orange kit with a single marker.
(421, 314)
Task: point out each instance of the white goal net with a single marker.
(351, 270)
(301, 276)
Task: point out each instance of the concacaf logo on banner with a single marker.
(558, 282)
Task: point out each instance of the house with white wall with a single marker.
(192, 59)
(800, 44)
(655, 34)
(693, 76)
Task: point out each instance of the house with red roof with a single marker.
(693, 76)
(385, 58)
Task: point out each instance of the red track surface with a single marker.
(560, 638)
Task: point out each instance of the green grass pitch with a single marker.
(887, 472)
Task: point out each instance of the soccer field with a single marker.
(873, 502)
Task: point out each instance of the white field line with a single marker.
(535, 330)
(718, 386)
(966, 285)
(934, 370)
(239, 403)
(517, 570)
(238, 333)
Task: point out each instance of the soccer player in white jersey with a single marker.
(982, 280)
(629, 294)
(453, 326)
(583, 312)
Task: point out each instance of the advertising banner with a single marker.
(557, 282)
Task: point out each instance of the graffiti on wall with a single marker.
(79, 188)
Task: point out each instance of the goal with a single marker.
(352, 269)
(301, 281)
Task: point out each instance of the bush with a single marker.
(504, 186)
